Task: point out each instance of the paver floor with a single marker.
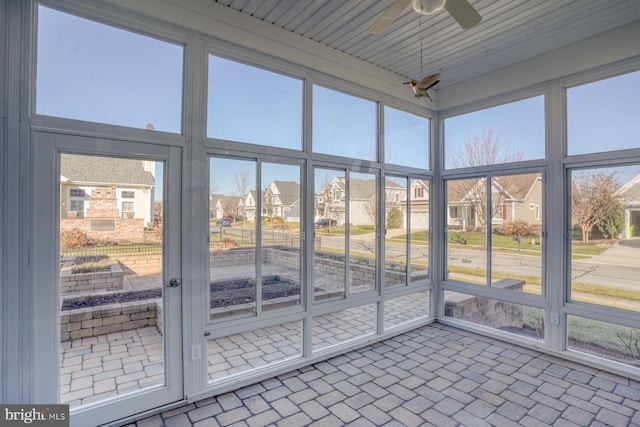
(432, 376)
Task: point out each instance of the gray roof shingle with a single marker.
(94, 169)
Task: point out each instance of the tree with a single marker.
(489, 147)
(241, 181)
(593, 201)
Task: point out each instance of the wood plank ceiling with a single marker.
(510, 31)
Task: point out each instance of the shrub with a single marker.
(535, 229)
(514, 228)
(74, 238)
(394, 218)
(611, 226)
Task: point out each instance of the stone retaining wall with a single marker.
(329, 266)
(140, 263)
(106, 319)
(90, 282)
(484, 311)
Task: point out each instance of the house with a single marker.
(282, 199)
(226, 206)
(132, 183)
(629, 195)
(419, 196)
(512, 197)
(250, 205)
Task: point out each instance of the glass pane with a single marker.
(94, 72)
(606, 340)
(343, 326)
(253, 349)
(419, 225)
(329, 211)
(395, 257)
(611, 123)
(281, 214)
(466, 228)
(232, 237)
(110, 278)
(503, 134)
(516, 249)
(269, 113)
(343, 125)
(514, 318)
(404, 309)
(362, 232)
(406, 139)
(605, 248)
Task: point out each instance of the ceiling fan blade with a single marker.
(388, 16)
(463, 13)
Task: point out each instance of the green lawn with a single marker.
(473, 240)
(354, 230)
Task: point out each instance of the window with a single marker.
(603, 339)
(611, 123)
(94, 72)
(77, 192)
(503, 134)
(343, 125)
(406, 232)
(362, 232)
(406, 139)
(76, 208)
(514, 261)
(242, 282)
(77, 197)
(128, 194)
(127, 210)
(604, 223)
(253, 105)
(396, 228)
(330, 216)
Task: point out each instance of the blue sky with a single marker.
(222, 173)
(604, 115)
(521, 123)
(94, 72)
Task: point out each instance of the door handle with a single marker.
(173, 283)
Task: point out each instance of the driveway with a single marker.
(624, 253)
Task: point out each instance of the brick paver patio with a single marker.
(433, 376)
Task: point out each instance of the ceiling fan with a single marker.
(460, 10)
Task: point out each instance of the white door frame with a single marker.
(45, 254)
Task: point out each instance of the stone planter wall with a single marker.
(331, 267)
(106, 319)
(90, 282)
(140, 263)
(488, 312)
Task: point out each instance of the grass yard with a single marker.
(354, 230)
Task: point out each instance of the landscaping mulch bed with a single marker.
(104, 299)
